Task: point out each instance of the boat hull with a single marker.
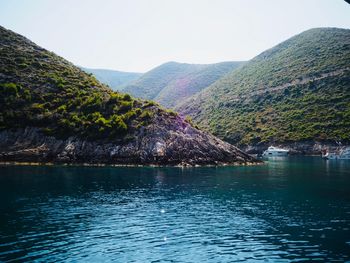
(337, 157)
(274, 154)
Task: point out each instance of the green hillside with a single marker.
(189, 84)
(40, 89)
(172, 82)
(52, 111)
(113, 78)
(296, 91)
(152, 82)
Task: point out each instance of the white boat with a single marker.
(275, 151)
(343, 154)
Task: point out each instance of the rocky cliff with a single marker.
(164, 142)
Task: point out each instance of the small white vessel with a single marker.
(275, 151)
(343, 154)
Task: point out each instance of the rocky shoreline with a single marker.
(163, 143)
(13, 163)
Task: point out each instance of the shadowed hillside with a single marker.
(113, 78)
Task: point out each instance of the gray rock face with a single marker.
(164, 142)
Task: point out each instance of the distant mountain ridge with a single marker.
(113, 78)
(172, 82)
(295, 92)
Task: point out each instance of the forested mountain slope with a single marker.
(296, 91)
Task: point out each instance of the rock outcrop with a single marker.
(164, 142)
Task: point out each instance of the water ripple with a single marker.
(171, 215)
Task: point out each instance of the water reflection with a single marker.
(285, 210)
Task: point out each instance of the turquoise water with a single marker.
(294, 209)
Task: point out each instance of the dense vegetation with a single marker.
(113, 78)
(172, 82)
(40, 89)
(296, 91)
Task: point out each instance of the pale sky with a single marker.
(137, 35)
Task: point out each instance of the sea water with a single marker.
(289, 209)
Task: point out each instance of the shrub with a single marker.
(149, 103)
(27, 95)
(146, 115)
(125, 106)
(37, 107)
(101, 121)
(127, 97)
(127, 116)
(171, 112)
(62, 108)
(114, 98)
(9, 89)
(188, 119)
(117, 124)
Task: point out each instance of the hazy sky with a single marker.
(136, 35)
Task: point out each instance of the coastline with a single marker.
(16, 163)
